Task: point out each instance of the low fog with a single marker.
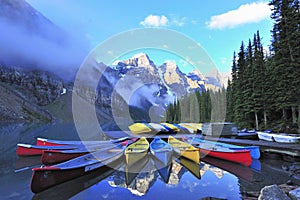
(37, 43)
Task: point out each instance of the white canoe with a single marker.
(286, 138)
(265, 136)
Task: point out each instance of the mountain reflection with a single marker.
(139, 183)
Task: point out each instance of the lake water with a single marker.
(210, 178)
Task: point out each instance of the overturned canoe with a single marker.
(286, 138)
(265, 136)
(192, 128)
(136, 151)
(139, 128)
(172, 128)
(161, 150)
(184, 149)
(159, 128)
(48, 176)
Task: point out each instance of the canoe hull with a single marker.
(184, 149)
(132, 158)
(50, 142)
(286, 138)
(254, 150)
(265, 136)
(165, 156)
(136, 151)
(52, 157)
(239, 156)
(33, 150)
(161, 150)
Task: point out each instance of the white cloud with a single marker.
(247, 13)
(155, 21)
(179, 21)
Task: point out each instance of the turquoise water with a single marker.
(181, 180)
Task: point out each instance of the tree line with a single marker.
(264, 92)
(206, 106)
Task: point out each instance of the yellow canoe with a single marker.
(138, 128)
(196, 127)
(171, 126)
(136, 151)
(184, 149)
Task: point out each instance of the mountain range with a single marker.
(33, 80)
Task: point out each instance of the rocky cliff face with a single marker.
(36, 86)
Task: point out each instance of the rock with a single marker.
(272, 192)
(289, 182)
(295, 194)
(252, 194)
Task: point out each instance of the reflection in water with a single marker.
(219, 179)
(70, 188)
(163, 170)
(137, 183)
(213, 178)
(215, 170)
(193, 167)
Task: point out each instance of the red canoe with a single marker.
(32, 150)
(50, 142)
(57, 156)
(46, 177)
(238, 156)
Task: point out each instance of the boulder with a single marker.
(295, 194)
(272, 192)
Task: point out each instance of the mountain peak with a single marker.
(170, 65)
(139, 60)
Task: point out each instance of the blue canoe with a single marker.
(254, 150)
(161, 150)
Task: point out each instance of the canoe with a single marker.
(48, 176)
(136, 151)
(33, 150)
(139, 128)
(161, 150)
(209, 148)
(184, 129)
(50, 142)
(159, 128)
(265, 136)
(192, 128)
(197, 126)
(254, 150)
(173, 128)
(57, 156)
(184, 149)
(286, 138)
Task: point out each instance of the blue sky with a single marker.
(218, 26)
